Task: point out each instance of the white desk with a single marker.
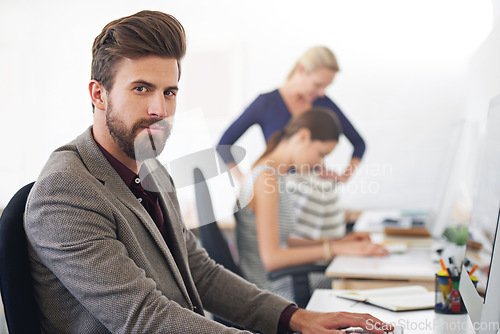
(414, 322)
(371, 220)
(415, 266)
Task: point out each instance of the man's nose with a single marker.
(158, 106)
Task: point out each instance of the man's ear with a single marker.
(97, 94)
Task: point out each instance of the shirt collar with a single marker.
(125, 173)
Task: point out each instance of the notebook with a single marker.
(404, 298)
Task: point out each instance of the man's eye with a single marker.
(169, 93)
(140, 89)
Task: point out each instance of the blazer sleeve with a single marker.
(228, 295)
(248, 118)
(231, 297)
(71, 227)
(349, 130)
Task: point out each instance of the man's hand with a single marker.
(308, 322)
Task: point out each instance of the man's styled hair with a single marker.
(146, 33)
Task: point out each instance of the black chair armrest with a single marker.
(300, 280)
(296, 270)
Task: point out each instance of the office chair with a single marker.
(210, 235)
(21, 310)
(216, 245)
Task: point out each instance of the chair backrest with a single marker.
(21, 310)
(211, 236)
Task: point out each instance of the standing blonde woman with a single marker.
(304, 88)
(265, 223)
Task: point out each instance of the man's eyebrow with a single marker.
(142, 82)
(145, 83)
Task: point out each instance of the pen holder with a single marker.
(447, 297)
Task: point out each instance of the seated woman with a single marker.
(266, 220)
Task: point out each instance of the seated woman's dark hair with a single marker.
(321, 122)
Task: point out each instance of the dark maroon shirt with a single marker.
(148, 199)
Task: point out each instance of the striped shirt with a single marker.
(316, 204)
(246, 234)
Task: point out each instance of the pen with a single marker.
(453, 267)
(473, 270)
(443, 266)
(446, 269)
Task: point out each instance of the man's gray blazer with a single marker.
(100, 264)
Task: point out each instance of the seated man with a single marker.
(108, 249)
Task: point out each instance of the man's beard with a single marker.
(137, 143)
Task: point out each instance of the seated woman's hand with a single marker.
(356, 236)
(358, 248)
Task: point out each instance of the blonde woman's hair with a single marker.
(315, 58)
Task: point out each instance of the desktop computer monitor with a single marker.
(458, 146)
(484, 312)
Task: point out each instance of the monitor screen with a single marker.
(487, 269)
(486, 200)
(483, 247)
(479, 253)
(484, 313)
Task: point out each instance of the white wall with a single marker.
(483, 86)
(402, 80)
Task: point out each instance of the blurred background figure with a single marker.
(304, 87)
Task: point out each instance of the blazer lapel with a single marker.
(132, 203)
(103, 171)
(173, 225)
